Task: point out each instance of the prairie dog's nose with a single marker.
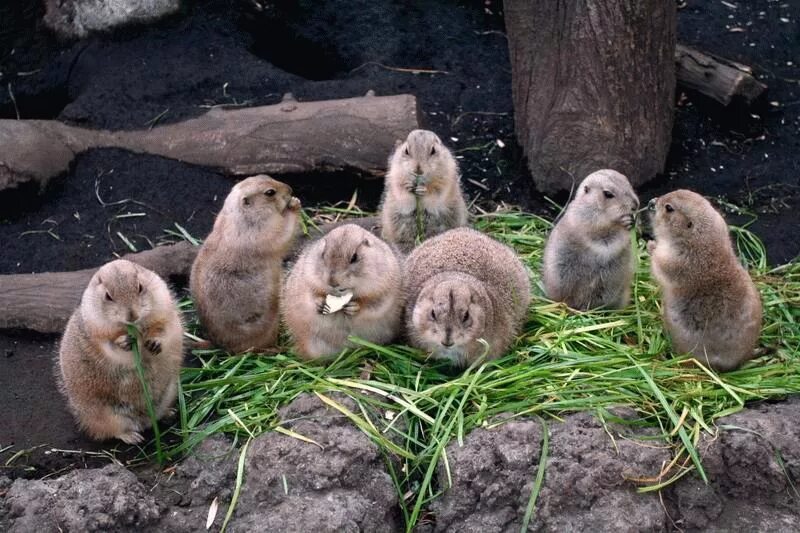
(447, 343)
(417, 170)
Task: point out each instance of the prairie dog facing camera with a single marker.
(588, 259)
(421, 170)
(361, 271)
(96, 362)
(236, 277)
(711, 307)
(464, 287)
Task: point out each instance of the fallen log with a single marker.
(44, 302)
(716, 77)
(348, 134)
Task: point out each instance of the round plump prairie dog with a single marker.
(711, 307)
(439, 191)
(588, 259)
(236, 277)
(463, 286)
(97, 368)
(349, 259)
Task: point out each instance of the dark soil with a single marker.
(225, 52)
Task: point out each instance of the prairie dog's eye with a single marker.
(108, 297)
(433, 315)
(139, 287)
(270, 192)
(608, 194)
(433, 150)
(354, 258)
(586, 188)
(465, 318)
(669, 208)
(406, 151)
(689, 225)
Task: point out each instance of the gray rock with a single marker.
(293, 485)
(753, 466)
(587, 485)
(78, 18)
(102, 499)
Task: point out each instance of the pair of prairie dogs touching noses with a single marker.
(711, 307)
(462, 294)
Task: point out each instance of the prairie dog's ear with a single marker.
(366, 242)
(397, 143)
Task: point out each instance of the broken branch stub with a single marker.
(347, 134)
(715, 77)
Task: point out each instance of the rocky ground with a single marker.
(340, 483)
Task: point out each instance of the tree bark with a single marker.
(593, 85)
(349, 134)
(44, 302)
(716, 77)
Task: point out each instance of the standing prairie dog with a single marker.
(347, 261)
(463, 286)
(588, 259)
(98, 372)
(236, 277)
(421, 168)
(712, 309)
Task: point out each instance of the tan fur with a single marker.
(588, 259)
(422, 153)
(477, 289)
(326, 267)
(236, 277)
(97, 370)
(712, 309)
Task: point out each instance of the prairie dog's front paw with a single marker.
(131, 437)
(124, 342)
(628, 221)
(322, 307)
(351, 308)
(421, 189)
(153, 346)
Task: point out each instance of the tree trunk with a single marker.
(593, 83)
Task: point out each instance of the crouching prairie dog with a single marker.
(712, 308)
(588, 258)
(421, 170)
(96, 362)
(236, 277)
(463, 286)
(351, 264)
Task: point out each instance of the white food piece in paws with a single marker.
(336, 303)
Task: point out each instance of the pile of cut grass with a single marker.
(563, 362)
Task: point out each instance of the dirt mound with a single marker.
(341, 483)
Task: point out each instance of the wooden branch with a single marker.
(347, 134)
(44, 302)
(715, 77)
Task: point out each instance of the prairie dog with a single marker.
(423, 157)
(588, 259)
(236, 277)
(463, 286)
(712, 308)
(349, 259)
(98, 373)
